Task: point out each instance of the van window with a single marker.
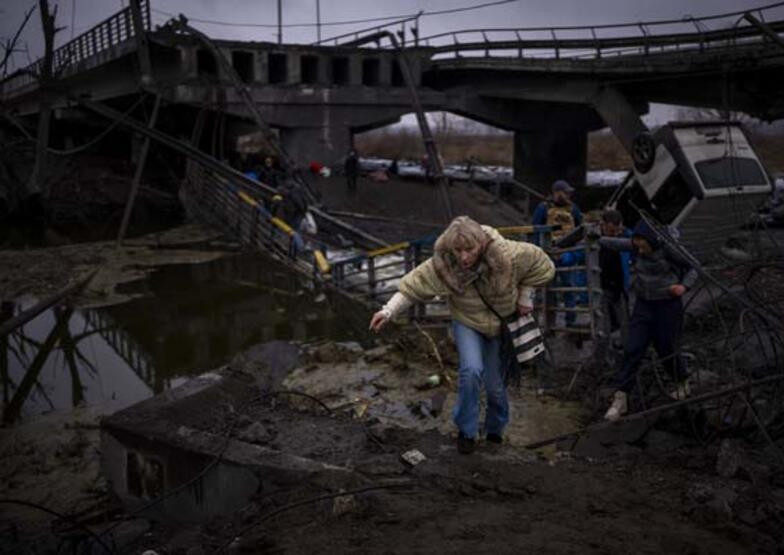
(671, 198)
(730, 171)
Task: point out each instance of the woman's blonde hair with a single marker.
(463, 232)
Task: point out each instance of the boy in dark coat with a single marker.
(661, 278)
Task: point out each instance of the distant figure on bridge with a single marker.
(482, 276)
(269, 173)
(351, 169)
(561, 211)
(661, 278)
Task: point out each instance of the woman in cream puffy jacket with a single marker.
(467, 257)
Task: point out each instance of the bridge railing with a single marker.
(400, 26)
(111, 32)
(602, 41)
(373, 276)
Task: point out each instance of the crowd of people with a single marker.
(488, 281)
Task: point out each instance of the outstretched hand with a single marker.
(378, 321)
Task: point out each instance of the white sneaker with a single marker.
(618, 408)
(682, 391)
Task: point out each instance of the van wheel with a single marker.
(643, 152)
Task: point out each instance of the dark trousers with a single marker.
(657, 322)
(351, 181)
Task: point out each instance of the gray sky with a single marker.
(520, 13)
(515, 14)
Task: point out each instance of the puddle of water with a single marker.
(186, 319)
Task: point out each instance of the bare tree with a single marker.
(35, 185)
(9, 48)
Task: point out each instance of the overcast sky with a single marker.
(77, 16)
(521, 13)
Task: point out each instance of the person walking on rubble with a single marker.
(475, 269)
(661, 277)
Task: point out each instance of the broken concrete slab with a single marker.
(186, 441)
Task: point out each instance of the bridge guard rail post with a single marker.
(595, 297)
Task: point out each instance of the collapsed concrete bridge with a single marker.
(545, 90)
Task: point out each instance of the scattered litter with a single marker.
(433, 380)
(344, 504)
(413, 457)
(360, 409)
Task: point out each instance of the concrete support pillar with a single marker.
(262, 67)
(415, 64)
(385, 71)
(324, 70)
(327, 145)
(188, 62)
(542, 156)
(355, 69)
(294, 69)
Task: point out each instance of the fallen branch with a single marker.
(656, 410)
(309, 501)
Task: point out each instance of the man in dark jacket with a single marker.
(351, 169)
(615, 275)
(292, 204)
(661, 278)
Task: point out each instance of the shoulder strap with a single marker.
(488, 305)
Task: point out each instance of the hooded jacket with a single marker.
(657, 271)
(515, 265)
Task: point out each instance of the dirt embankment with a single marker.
(651, 492)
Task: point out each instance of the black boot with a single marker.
(494, 438)
(465, 445)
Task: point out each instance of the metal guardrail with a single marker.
(111, 32)
(677, 33)
(373, 275)
(370, 276)
(555, 47)
(346, 39)
(588, 42)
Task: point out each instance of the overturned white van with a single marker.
(704, 178)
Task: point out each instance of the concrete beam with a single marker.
(544, 156)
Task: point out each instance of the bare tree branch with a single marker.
(10, 45)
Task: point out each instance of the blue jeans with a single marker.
(480, 361)
(572, 279)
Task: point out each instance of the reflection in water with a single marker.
(185, 320)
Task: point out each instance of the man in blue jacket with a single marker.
(661, 277)
(560, 210)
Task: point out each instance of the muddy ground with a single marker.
(639, 489)
(642, 489)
